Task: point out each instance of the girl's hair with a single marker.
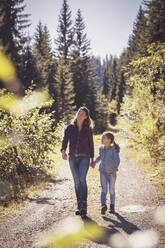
(88, 123)
(111, 137)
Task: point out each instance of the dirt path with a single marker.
(136, 202)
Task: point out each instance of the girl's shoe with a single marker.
(103, 209)
(112, 208)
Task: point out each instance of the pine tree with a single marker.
(107, 63)
(65, 95)
(101, 114)
(105, 82)
(12, 24)
(42, 53)
(155, 11)
(80, 62)
(93, 88)
(99, 70)
(64, 41)
(29, 74)
(110, 79)
(138, 41)
(114, 80)
(120, 90)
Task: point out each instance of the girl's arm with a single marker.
(116, 159)
(98, 158)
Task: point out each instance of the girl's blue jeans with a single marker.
(79, 167)
(107, 181)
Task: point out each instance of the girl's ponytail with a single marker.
(117, 147)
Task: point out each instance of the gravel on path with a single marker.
(136, 202)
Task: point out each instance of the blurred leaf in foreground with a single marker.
(18, 106)
(7, 70)
(8, 75)
(72, 232)
(160, 215)
(117, 240)
(138, 239)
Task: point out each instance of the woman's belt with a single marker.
(79, 154)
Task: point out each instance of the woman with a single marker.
(81, 150)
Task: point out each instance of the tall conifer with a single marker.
(80, 62)
(64, 40)
(138, 41)
(29, 73)
(12, 24)
(65, 95)
(105, 81)
(155, 10)
(42, 53)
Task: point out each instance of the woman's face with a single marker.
(81, 115)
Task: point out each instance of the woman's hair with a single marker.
(88, 123)
(111, 137)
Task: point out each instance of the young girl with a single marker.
(109, 157)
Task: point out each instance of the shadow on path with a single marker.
(47, 200)
(41, 200)
(107, 232)
(123, 224)
(58, 180)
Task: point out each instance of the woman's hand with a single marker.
(92, 163)
(64, 155)
(115, 170)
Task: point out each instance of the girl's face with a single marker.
(81, 115)
(105, 141)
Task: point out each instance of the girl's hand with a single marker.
(115, 170)
(64, 155)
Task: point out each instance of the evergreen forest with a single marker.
(125, 93)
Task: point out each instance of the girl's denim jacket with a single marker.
(109, 159)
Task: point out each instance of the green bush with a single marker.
(27, 140)
(143, 114)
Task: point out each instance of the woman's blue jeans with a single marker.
(79, 167)
(107, 180)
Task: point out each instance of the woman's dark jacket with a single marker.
(80, 143)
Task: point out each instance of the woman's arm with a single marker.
(91, 144)
(91, 148)
(65, 143)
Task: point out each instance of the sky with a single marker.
(108, 22)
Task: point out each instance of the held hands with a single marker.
(115, 170)
(92, 164)
(64, 155)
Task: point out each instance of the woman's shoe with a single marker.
(103, 209)
(79, 208)
(83, 212)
